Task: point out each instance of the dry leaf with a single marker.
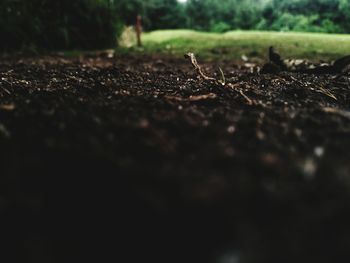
(7, 107)
(340, 112)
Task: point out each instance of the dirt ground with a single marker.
(136, 159)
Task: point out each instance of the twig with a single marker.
(7, 82)
(326, 92)
(317, 88)
(340, 112)
(249, 101)
(202, 97)
(193, 97)
(194, 63)
(223, 79)
(237, 88)
(196, 66)
(6, 90)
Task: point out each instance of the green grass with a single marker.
(232, 45)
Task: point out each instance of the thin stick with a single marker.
(223, 79)
(249, 101)
(195, 65)
(6, 90)
(236, 87)
(326, 92)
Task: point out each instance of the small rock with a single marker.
(244, 58)
(4, 131)
(231, 129)
(309, 168)
(144, 123)
(298, 132)
(319, 151)
(260, 135)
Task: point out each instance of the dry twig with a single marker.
(193, 97)
(223, 79)
(195, 65)
(7, 107)
(202, 97)
(326, 92)
(249, 101)
(340, 112)
(237, 88)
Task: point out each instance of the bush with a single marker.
(247, 16)
(58, 25)
(300, 23)
(329, 27)
(220, 27)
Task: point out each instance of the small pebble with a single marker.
(309, 168)
(231, 129)
(4, 131)
(144, 123)
(319, 151)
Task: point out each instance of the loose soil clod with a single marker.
(277, 65)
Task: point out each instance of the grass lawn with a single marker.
(233, 44)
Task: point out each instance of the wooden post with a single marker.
(138, 30)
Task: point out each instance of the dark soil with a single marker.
(121, 160)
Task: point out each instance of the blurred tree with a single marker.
(89, 24)
(128, 10)
(64, 24)
(156, 14)
(222, 15)
(166, 14)
(343, 15)
(248, 14)
(198, 14)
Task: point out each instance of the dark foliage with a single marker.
(93, 24)
(156, 14)
(55, 25)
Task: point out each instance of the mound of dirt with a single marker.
(136, 158)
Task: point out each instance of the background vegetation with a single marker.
(64, 24)
(95, 24)
(331, 16)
